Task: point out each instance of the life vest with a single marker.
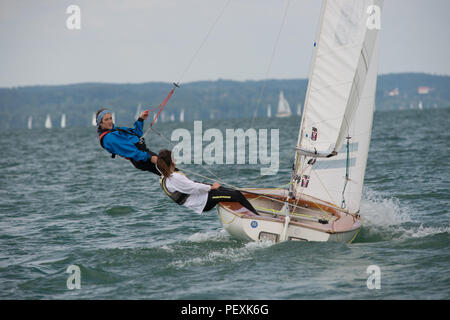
(140, 145)
(179, 197)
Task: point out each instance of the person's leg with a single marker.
(146, 166)
(227, 195)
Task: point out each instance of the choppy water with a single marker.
(64, 202)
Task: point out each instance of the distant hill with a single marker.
(200, 100)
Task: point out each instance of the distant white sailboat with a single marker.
(114, 117)
(94, 121)
(30, 122)
(48, 122)
(138, 112)
(172, 117)
(269, 111)
(299, 109)
(420, 106)
(63, 120)
(182, 115)
(283, 107)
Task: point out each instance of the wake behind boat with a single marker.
(323, 199)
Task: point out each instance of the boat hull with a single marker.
(248, 227)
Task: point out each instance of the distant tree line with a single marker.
(200, 100)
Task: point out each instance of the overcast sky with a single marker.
(132, 41)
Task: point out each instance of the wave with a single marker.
(208, 255)
(219, 235)
(379, 210)
(385, 218)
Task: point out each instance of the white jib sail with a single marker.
(339, 104)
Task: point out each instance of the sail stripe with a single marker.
(334, 164)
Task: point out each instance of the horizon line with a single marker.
(197, 81)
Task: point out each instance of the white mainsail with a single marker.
(48, 122)
(269, 111)
(338, 110)
(283, 107)
(299, 109)
(63, 120)
(94, 120)
(30, 122)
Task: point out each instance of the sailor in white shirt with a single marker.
(198, 192)
(197, 196)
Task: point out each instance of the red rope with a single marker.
(162, 105)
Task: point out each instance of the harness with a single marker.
(140, 145)
(179, 197)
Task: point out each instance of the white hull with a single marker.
(283, 115)
(243, 225)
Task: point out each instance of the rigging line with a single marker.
(171, 143)
(204, 40)
(239, 189)
(161, 107)
(327, 214)
(270, 62)
(343, 204)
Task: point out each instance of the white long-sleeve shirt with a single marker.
(198, 192)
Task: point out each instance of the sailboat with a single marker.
(283, 107)
(269, 111)
(63, 120)
(322, 201)
(138, 112)
(48, 122)
(94, 120)
(30, 122)
(182, 115)
(299, 109)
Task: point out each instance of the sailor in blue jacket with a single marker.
(126, 142)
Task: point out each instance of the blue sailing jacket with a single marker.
(123, 140)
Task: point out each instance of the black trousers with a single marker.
(227, 195)
(146, 165)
